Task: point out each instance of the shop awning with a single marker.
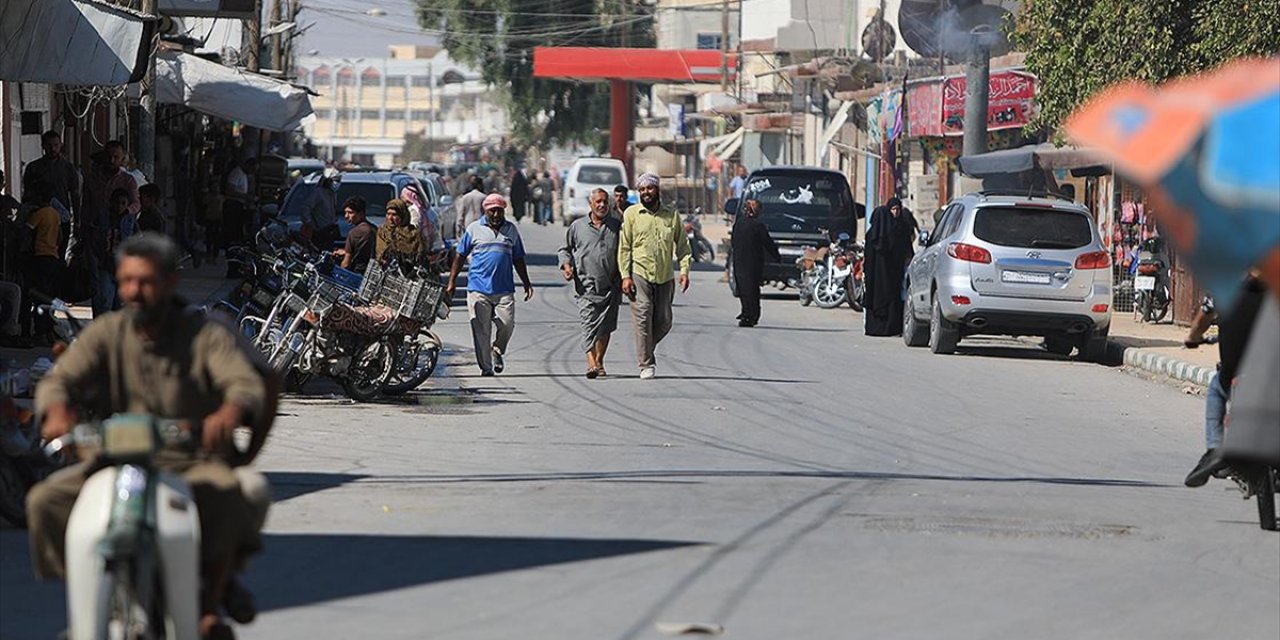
(228, 93)
(73, 42)
(1042, 156)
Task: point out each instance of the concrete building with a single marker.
(367, 106)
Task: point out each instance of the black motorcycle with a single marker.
(1151, 281)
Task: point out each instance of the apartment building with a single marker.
(367, 106)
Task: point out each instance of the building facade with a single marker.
(367, 106)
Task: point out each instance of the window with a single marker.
(369, 115)
(395, 81)
(600, 175)
(803, 202)
(1033, 228)
(421, 81)
(420, 115)
(346, 78)
(949, 223)
(342, 114)
(709, 41)
(320, 77)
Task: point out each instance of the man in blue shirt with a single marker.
(494, 246)
(739, 182)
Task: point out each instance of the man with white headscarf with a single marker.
(652, 235)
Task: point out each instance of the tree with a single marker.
(498, 36)
(1077, 47)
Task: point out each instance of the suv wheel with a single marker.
(944, 335)
(1093, 346)
(1061, 345)
(914, 332)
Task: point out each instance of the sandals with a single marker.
(592, 373)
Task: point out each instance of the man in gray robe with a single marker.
(590, 260)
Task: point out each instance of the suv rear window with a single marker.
(799, 202)
(1032, 228)
(600, 175)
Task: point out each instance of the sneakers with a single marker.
(746, 322)
(1209, 463)
(486, 373)
(647, 373)
(239, 603)
(498, 366)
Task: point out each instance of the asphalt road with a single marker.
(796, 480)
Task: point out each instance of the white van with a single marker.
(586, 175)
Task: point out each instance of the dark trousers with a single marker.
(41, 275)
(324, 239)
(235, 218)
(749, 298)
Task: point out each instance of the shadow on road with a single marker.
(287, 485)
(303, 569)
(732, 473)
(1021, 351)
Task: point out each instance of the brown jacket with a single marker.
(187, 374)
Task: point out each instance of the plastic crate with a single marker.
(411, 298)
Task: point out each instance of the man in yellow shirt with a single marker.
(43, 267)
(652, 235)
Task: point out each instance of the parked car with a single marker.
(801, 207)
(1011, 264)
(586, 175)
(377, 187)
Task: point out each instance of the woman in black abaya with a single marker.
(888, 251)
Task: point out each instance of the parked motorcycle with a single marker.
(320, 334)
(133, 537)
(839, 280)
(1151, 281)
(698, 243)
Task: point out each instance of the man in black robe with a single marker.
(752, 245)
(519, 194)
(890, 235)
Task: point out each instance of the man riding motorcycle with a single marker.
(156, 356)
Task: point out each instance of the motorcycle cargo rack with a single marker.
(412, 298)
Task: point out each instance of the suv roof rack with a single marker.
(1025, 193)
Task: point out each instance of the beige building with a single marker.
(367, 106)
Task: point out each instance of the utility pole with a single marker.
(277, 39)
(977, 78)
(253, 38)
(146, 152)
(724, 46)
(742, 64)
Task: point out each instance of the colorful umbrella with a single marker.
(1207, 150)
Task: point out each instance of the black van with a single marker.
(796, 204)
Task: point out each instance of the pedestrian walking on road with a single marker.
(589, 259)
(470, 206)
(544, 192)
(40, 260)
(495, 248)
(752, 245)
(888, 251)
(519, 194)
(652, 234)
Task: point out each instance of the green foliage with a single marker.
(1078, 47)
(498, 36)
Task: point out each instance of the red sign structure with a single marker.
(622, 66)
(937, 108)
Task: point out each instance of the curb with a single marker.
(1160, 365)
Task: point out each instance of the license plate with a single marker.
(1144, 283)
(1024, 277)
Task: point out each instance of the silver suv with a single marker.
(1005, 264)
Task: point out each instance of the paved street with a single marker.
(795, 480)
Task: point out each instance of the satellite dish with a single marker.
(946, 28)
(879, 39)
